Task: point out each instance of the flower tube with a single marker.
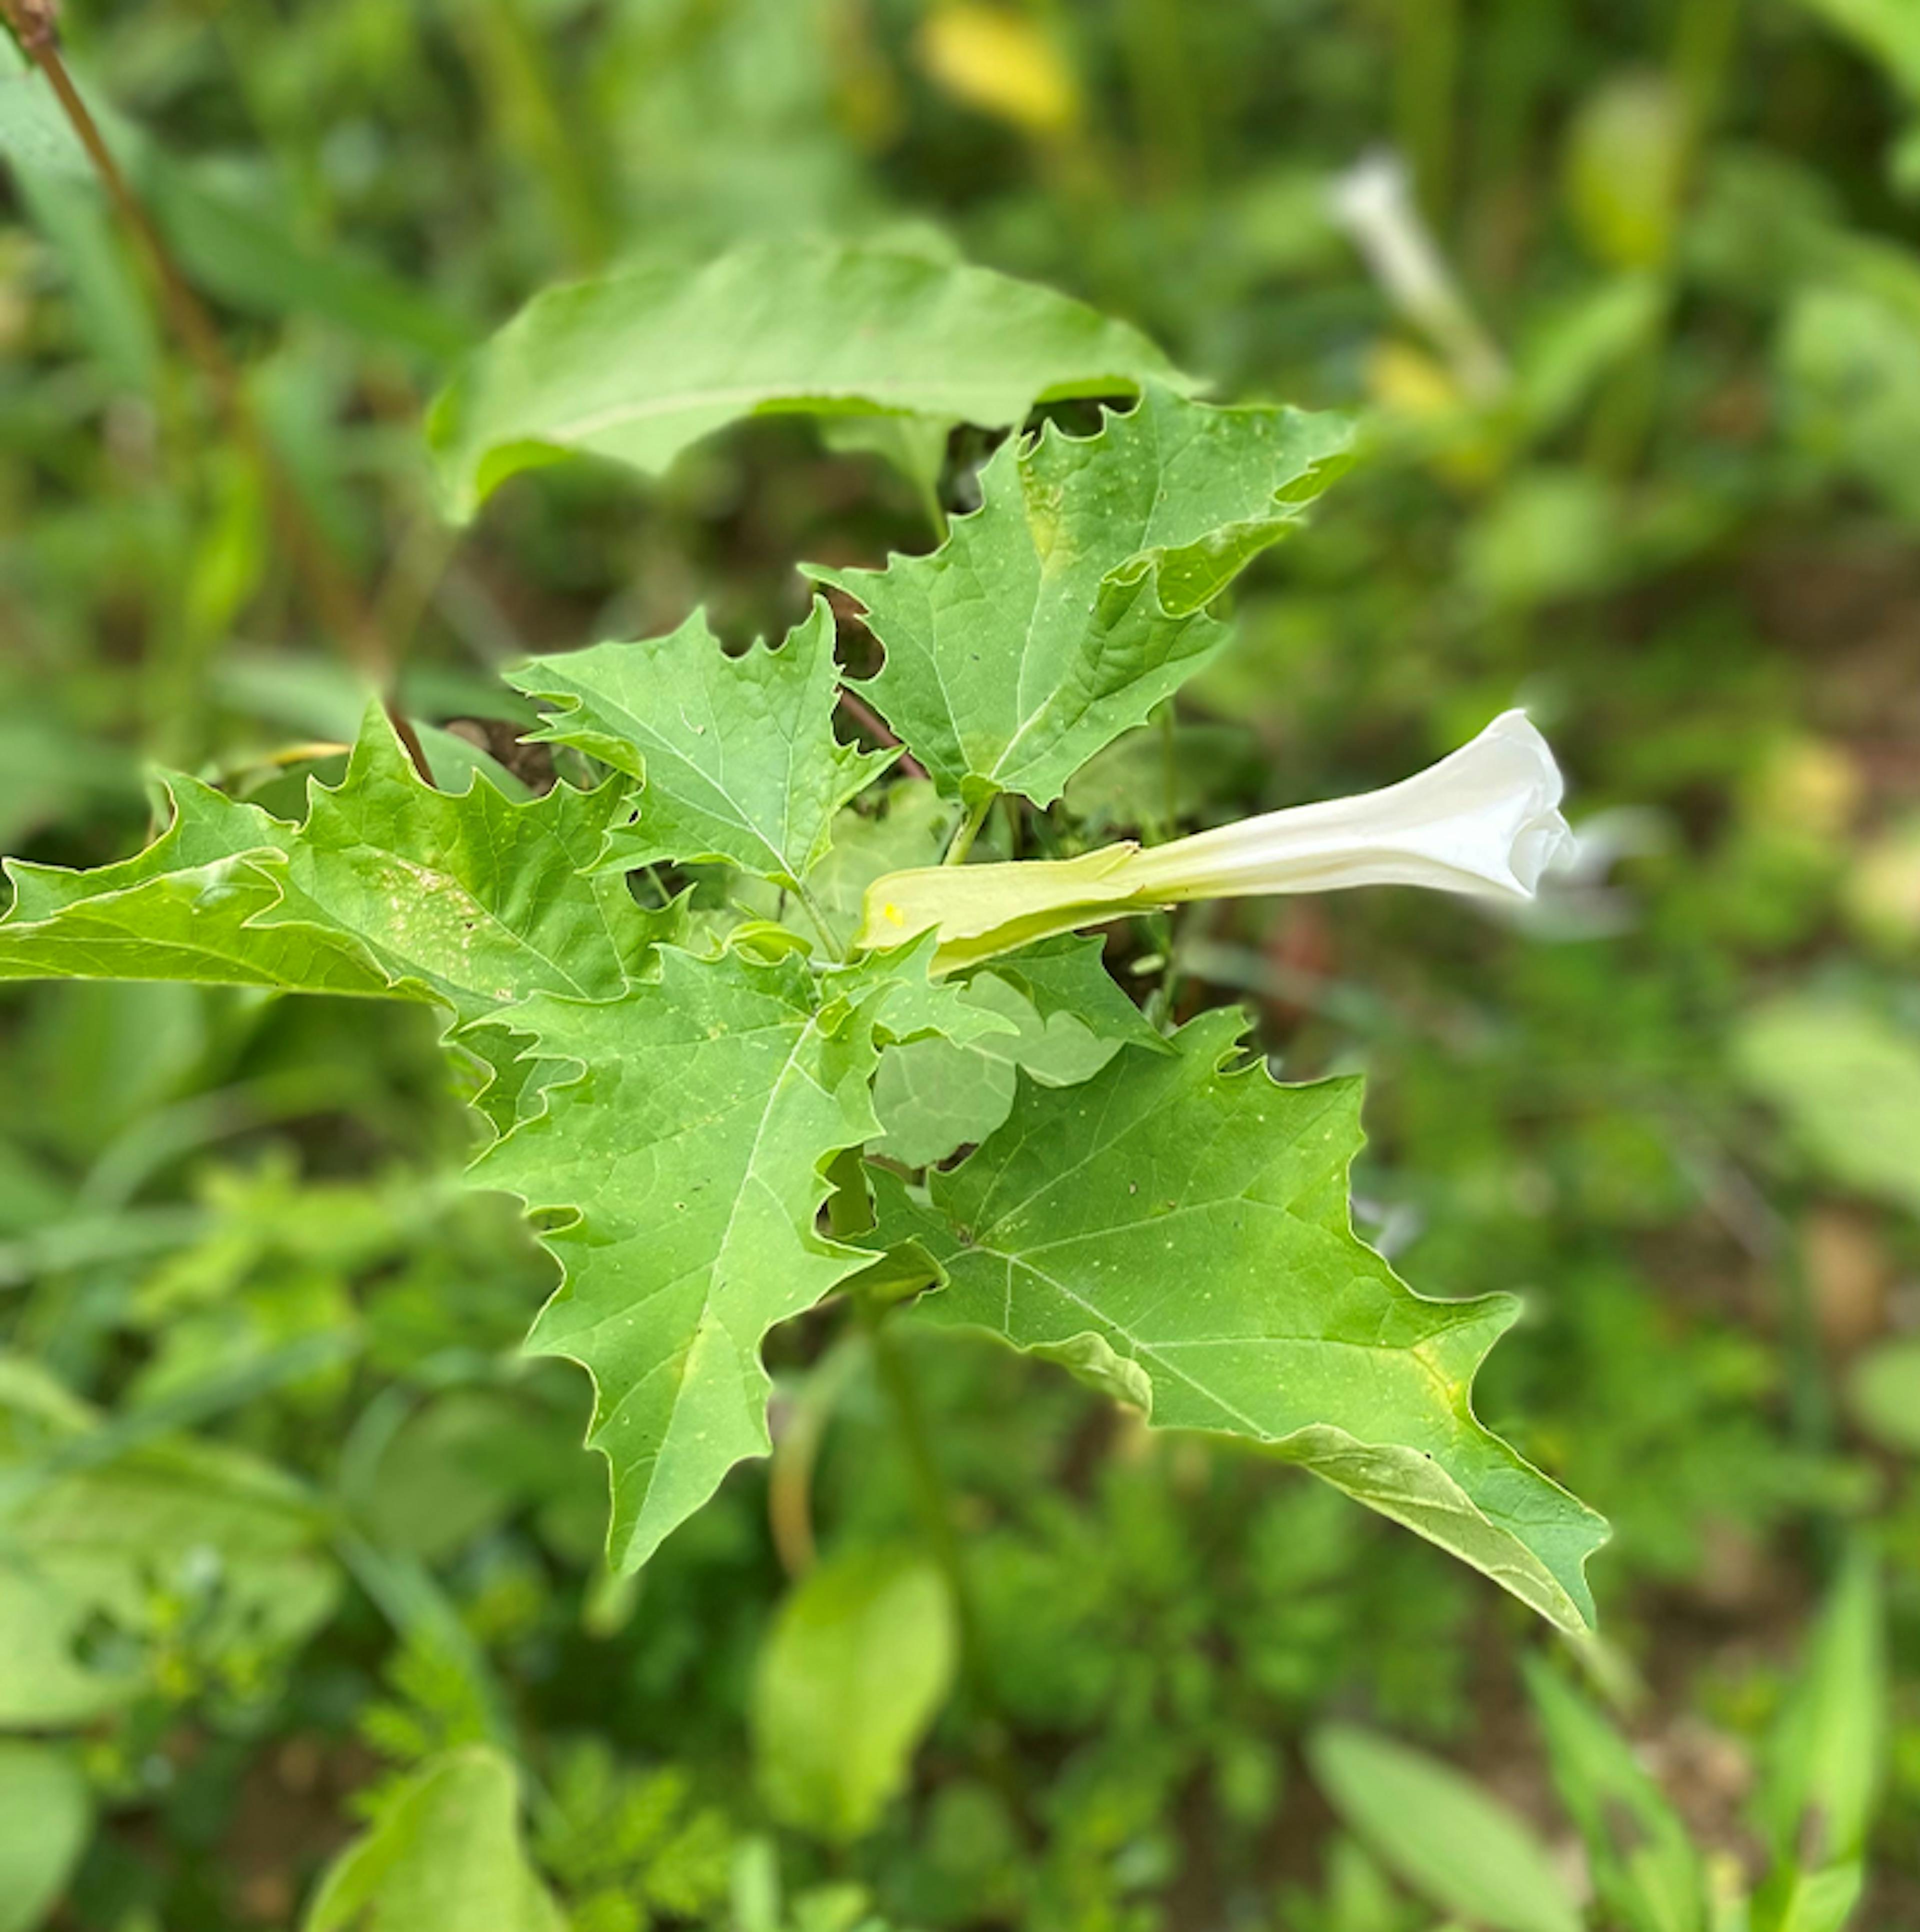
(1484, 821)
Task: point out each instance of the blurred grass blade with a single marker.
(1646, 1871)
(1825, 1763)
(1462, 1850)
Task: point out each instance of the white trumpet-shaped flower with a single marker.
(1485, 820)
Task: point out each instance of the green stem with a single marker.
(1427, 62)
(1704, 43)
(968, 830)
(814, 910)
(933, 1500)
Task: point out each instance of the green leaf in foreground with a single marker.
(477, 899)
(639, 364)
(1460, 1850)
(445, 1856)
(184, 909)
(737, 753)
(687, 1160)
(1181, 1232)
(390, 887)
(1074, 599)
(861, 1657)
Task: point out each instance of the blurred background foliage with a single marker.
(293, 1547)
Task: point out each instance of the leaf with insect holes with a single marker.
(680, 1173)
(1057, 617)
(737, 755)
(1182, 1229)
(639, 364)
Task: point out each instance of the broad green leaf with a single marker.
(1849, 1084)
(1189, 1224)
(184, 909)
(688, 1160)
(737, 755)
(1066, 1018)
(1459, 1849)
(1645, 1869)
(46, 1816)
(1059, 614)
(479, 900)
(640, 364)
(445, 1856)
(858, 1664)
(1825, 1760)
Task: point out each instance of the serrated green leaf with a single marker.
(479, 900)
(1059, 614)
(1067, 979)
(46, 1817)
(902, 1000)
(391, 887)
(689, 1155)
(1459, 1849)
(736, 754)
(184, 909)
(640, 364)
(446, 1856)
(1194, 1219)
(860, 1660)
(1064, 1018)
(1645, 1871)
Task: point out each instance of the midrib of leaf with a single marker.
(655, 745)
(1044, 706)
(718, 1270)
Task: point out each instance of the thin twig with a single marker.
(870, 721)
(335, 598)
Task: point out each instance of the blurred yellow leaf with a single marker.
(1882, 893)
(1625, 156)
(1409, 382)
(1001, 63)
(1810, 786)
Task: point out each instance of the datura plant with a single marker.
(740, 1046)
